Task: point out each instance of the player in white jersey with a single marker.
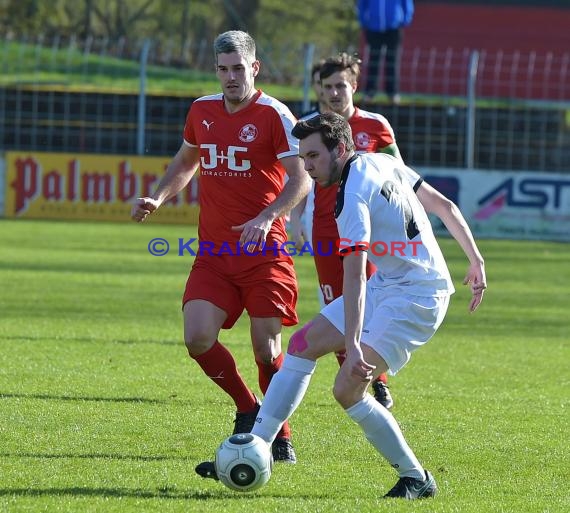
(379, 322)
(371, 132)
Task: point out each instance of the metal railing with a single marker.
(460, 108)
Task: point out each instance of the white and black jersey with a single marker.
(378, 211)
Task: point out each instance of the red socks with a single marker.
(219, 365)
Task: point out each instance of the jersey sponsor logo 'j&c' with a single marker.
(534, 193)
(231, 158)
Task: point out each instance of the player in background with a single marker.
(382, 320)
(321, 104)
(371, 133)
(241, 141)
(301, 219)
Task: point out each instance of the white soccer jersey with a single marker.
(377, 210)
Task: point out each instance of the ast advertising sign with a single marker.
(98, 187)
(503, 204)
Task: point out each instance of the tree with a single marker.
(121, 17)
(241, 15)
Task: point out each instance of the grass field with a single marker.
(101, 410)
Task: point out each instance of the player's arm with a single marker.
(436, 203)
(179, 172)
(297, 187)
(354, 294)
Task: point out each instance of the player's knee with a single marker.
(298, 343)
(266, 348)
(265, 355)
(198, 343)
(345, 393)
(339, 392)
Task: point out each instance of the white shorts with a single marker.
(395, 324)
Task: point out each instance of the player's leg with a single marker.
(382, 430)
(380, 387)
(395, 327)
(330, 273)
(210, 303)
(378, 424)
(288, 386)
(270, 299)
(266, 339)
(202, 323)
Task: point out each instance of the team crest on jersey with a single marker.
(362, 140)
(248, 133)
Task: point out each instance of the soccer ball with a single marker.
(244, 462)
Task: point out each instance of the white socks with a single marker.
(383, 432)
(285, 393)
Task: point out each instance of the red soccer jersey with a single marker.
(240, 172)
(371, 132)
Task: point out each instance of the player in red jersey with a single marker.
(241, 141)
(371, 133)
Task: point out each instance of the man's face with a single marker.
(338, 92)
(237, 77)
(319, 162)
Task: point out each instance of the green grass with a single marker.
(37, 66)
(28, 65)
(102, 410)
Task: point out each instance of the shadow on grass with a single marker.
(36, 338)
(133, 457)
(72, 398)
(160, 493)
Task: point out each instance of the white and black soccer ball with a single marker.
(244, 462)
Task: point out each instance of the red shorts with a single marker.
(263, 285)
(329, 268)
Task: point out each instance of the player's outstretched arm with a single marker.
(436, 203)
(179, 172)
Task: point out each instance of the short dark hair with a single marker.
(316, 68)
(332, 127)
(341, 62)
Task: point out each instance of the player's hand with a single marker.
(358, 366)
(476, 279)
(142, 208)
(254, 231)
